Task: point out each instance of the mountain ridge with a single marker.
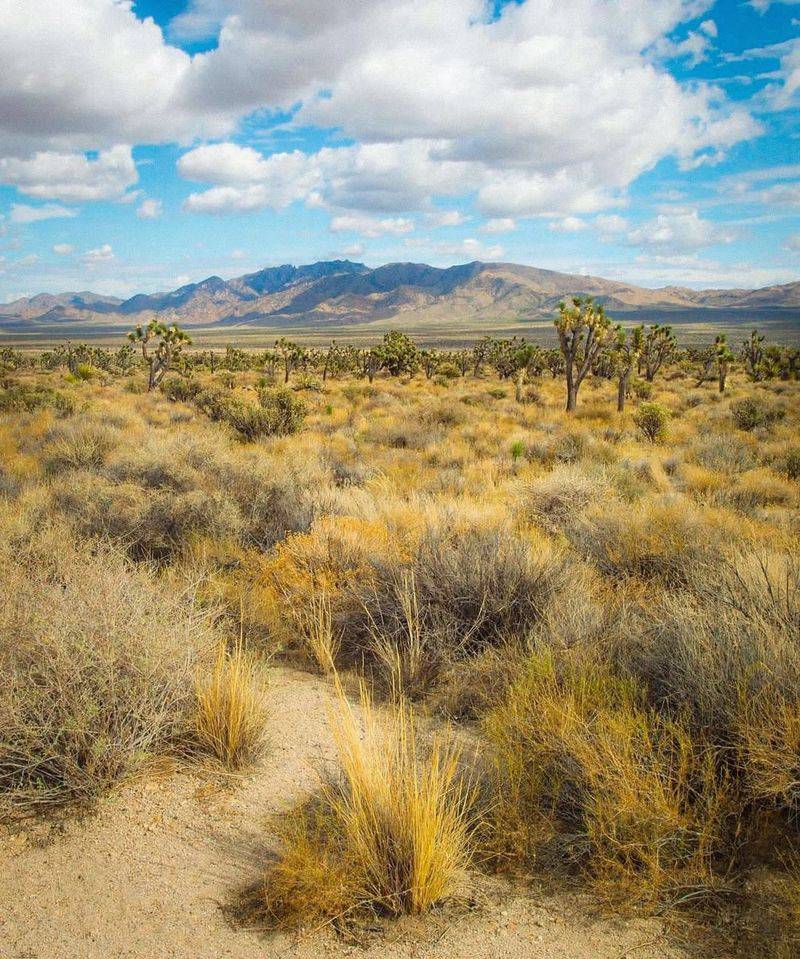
(347, 293)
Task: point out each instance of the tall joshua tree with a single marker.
(657, 348)
(583, 329)
(724, 358)
(753, 356)
(160, 345)
(626, 353)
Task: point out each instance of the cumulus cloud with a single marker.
(150, 209)
(544, 110)
(443, 218)
(610, 224)
(63, 249)
(569, 224)
(23, 213)
(100, 254)
(371, 226)
(679, 230)
(72, 176)
(500, 224)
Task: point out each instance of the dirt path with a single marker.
(147, 876)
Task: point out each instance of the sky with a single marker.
(149, 144)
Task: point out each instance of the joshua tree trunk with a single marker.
(572, 390)
(622, 390)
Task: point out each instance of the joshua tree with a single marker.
(657, 348)
(481, 352)
(398, 353)
(626, 353)
(753, 356)
(291, 354)
(369, 362)
(583, 329)
(160, 344)
(724, 358)
(430, 360)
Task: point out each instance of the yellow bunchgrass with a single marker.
(231, 708)
(394, 825)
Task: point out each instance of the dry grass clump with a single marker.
(557, 499)
(584, 768)
(656, 539)
(229, 721)
(98, 662)
(79, 445)
(389, 835)
(458, 593)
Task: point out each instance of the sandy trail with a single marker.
(148, 875)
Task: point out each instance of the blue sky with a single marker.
(145, 145)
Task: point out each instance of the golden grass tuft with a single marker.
(231, 708)
(393, 828)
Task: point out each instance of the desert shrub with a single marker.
(789, 463)
(460, 592)
(732, 623)
(23, 398)
(558, 499)
(180, 390)
(723, 453)
(652, 421)
(389, 835)
(230, 714)
(756, 488)
(97, 660)
(285, 411)
(467, 689)
(449, 371)
(150, 523)
(641, 389)
(751, 412)
(79, 445)
(582, 766)
(655, 539)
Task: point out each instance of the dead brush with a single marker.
(393, 828)
(230, 715)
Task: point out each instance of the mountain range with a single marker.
(341, 293)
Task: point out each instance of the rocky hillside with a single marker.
(342, 293)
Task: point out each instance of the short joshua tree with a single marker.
(160, 344)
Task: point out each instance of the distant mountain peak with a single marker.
(343, 292)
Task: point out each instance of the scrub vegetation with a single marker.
(566, 582)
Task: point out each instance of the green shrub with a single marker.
(20, 398)
(287, 413)
(652, 421)
(750, 413)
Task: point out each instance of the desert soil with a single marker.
(152, 872)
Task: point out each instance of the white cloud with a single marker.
(72, 176)
(569, 224)
(792, 243)
(23, 213)
(150, 209)
(545, 110)
(763, 5)
(443, 218)
(468, 249)
(500, 224)
(101, 254)
(63, 249)
(610, 224)
(371, 226)
(709, 28)
(679, 230)
(782, 194)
